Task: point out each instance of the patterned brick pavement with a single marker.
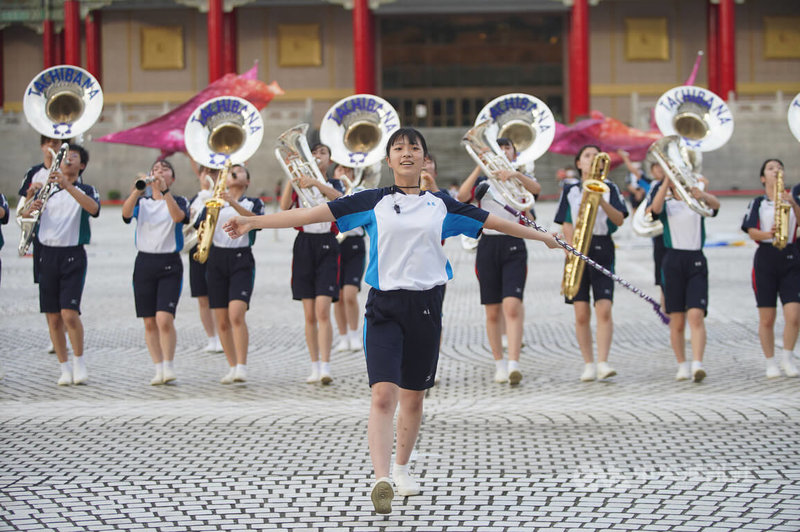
(639, 452)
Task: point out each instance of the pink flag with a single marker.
(166, 132)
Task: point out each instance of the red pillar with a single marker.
(94, 63)
(72, 32)
(48, 43)
(712, 47)
(363, 48)
(230, 57)
(215, 41)
(579, 60)
(727, 49)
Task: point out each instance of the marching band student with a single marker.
(315, 267)
(407, 271)
(501, 264)
(637, 183)
(775, 271)
(3, 221)
(611, 213)
(158, 270)
(657, 173)
(351, 270)
(231, 272)
(684, 271)
(63, 230)
(197, 270)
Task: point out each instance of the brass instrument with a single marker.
(782, 210)
(793, 117)
(219, 133)
(671, 153)
(295, 158)
(700, 117)
(205, 231)
(593, 189)
(28, 225)
(530, 126)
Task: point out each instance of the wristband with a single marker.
(165, 191)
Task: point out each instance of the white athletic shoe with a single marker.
(79, 373)
(605, 371)
(65, 379)
(228, 378)
(501, 375)
(169, 375)
(382, 495)
(683, 373)
(514, 377)
(313, 377)
(342, 345)
(698, 373)
(211, 347)
(157, 379)
(355, 344)
(240, 374)
(589, 372)
(325, 377)
(773, 371)
(788, 367)
(405, 483)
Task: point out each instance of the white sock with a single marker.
(500, 364)
(168, 364)
(241, 366)
(787, 355)
(159, 367)
(513, 365)
(400, 469)
(79, 363)
(324, 367)
(315, 367)
(66, 367)
(696, 364)
(772, 361)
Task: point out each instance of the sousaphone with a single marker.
(793, 117)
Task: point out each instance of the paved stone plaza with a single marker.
(638, 452)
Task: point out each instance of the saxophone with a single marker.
(593, 190)
(782, 209)
(205, 231)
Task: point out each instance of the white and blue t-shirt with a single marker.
(761, 215)
(405, 234)
(317, 198)
(156, 232)
(570, 203)
(221, 238)
(63, 222)
(683, 228)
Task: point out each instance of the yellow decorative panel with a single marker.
(782, 37)
(299, 45)
(162, 48)
(646, 39)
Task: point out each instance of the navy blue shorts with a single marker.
(685, 280)
(315, 266)
(402, 329)
(776, 272)
(501, 265)
(601, 250)
(157, 282)
(197, 276)
(352, 258)
(37, 250)
(230, 273)
(62, 274)
(658, 256)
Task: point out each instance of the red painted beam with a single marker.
(727, 49)
(579, 60)
(363, 48)
(72, 33)
(94, 57)
(712, 47)
(215, 41)
(230, 57)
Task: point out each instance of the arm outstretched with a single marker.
(239, 225)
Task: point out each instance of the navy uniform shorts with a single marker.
(501, 265)
(601, 250)
(62, 274)
(197, 276)
(684, 280)
(352, 257)
(658, 256)
(157, 282)
(315, 266)
(776, 272)
(402, 329)
(231, 274)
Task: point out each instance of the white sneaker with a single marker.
(605, 371)
(698, 373)
(514, 377)
(683, 373)
(313, 377)
(51, 349)
(228, 378)
(356, 344)
(157, 379)
(169, 375)
(79, 373)
(382, 495)
(211, 347)
(240, 374)
(589, 372)
(325, 377)
(773, 371)
(788, 367)
(405, 483)
(501, 375)
(342, 345)
(504, 341)
(65, 379)
(218, 346)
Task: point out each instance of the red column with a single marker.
(712, 47)
(94, 63)
(363, 48)
(72, 32)
(230, 57)
(48, 43)
(727, 49)
(579, 60)
(215, 42)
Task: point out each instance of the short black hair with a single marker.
(167, 164)
(321, 145)
(243, 167)
(580, 152)
(411, 135)
(764, 166)
(44, 138)
(503, 141)
(82, 151)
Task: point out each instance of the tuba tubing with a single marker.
(682, 178)
(295, 158)
(29, 225)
